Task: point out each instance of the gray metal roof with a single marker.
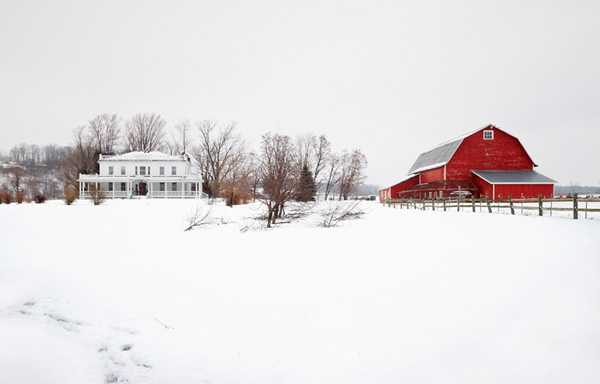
(436, 157)
(514, 177)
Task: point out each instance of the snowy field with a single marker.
(119, 293)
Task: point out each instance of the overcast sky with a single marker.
(393, 78)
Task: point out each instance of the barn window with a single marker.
(488, 134)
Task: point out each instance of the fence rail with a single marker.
(574, 206)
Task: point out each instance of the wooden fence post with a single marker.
(512, 208)
(444, 203)
(487, 201)
(433, 204)
(575, 207)
(423, 204)
(540, 206)
(458, 203)
(473, 203)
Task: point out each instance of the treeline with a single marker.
(33, 155)
(282, 168)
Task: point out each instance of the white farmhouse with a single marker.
(149, 174)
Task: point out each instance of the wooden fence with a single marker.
(573, 207)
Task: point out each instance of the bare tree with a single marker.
(322, 151)
(332, 173)
(220, 152)
(16, 178)
(351, 172)
(312, 153)
(277, 174)
(105, 132)
(81, 159)
(340, 211)
(145, 132)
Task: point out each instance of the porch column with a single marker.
(150, 183)
(80, 188)
(182, 189)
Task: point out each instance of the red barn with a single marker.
(486, 163)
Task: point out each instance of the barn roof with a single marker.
(441, 155)
(436, 157)
(514, 177)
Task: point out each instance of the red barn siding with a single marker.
(504, 152)
(384, 194)
(516, 191)
(395, 190)
(525, 191)
(436, 174)
(485, 188)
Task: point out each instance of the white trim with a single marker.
(444, 172)
(493, 191)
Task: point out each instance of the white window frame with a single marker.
(111, 170)
(173, 186)
(173, 171)
(162, 171)
(142, 170)
(123, 171)
(490, 132)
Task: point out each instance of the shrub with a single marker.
(19, 197)
(6, 197)
(39, 198)
(70, 194)
(97, 195)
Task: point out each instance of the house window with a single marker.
(143, 171)
(488, 134)
(173, 186)
(161, 187)
(123, 187)
(110, 186)
(122, 171)
(162, 171)
(193, 187)
(111, 170)
(173, 171)
(149, 173)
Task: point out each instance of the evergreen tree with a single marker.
(306, 186)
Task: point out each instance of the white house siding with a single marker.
(186, 176)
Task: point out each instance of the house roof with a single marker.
(514, 177)
(145, 156)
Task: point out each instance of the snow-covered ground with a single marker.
(120, 293)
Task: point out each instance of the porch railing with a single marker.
(153, 194)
